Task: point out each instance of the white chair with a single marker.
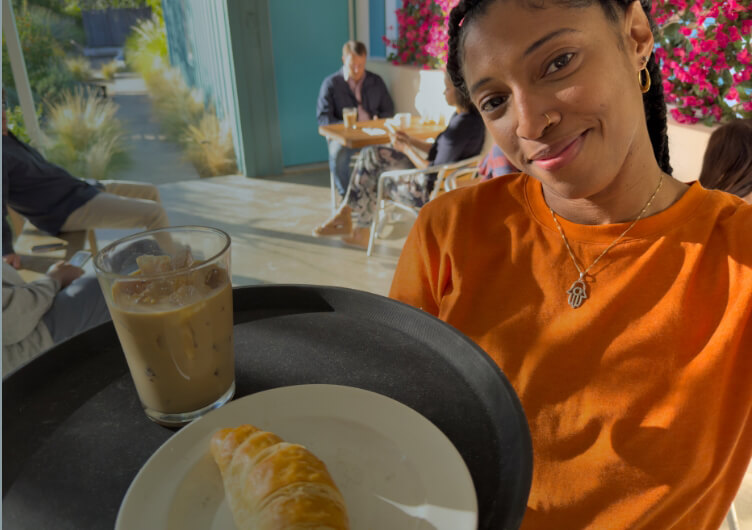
(732, 519)
(461, 177)
(386, 206)
(334, 195)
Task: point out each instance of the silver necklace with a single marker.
(577, 292)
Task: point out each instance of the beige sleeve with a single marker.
(24, 305)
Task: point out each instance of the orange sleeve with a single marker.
(417, 272)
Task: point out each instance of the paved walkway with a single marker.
(154, 158)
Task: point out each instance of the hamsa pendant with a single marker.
(577, 293)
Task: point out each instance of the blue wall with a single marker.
(307, 41)
(376, 28)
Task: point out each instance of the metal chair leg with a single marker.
(372, 235)
(731, 518)
(92, 237)
(378, 215)
(333, 200)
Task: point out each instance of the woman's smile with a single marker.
(559, 154)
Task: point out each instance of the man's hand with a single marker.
(14, 260)
(64, 273)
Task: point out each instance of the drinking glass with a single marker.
(169, 294)
(350, 114)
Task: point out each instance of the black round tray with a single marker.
(74, 433)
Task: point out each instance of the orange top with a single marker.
(639, 401)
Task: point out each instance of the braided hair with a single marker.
(654, 100)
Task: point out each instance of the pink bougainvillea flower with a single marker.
(680, 117)
(732, 94)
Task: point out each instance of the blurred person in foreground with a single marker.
(40, 314)
(727, 160)
(351, 86)
(55, 201)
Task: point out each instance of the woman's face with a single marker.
(523, 65)
(449, 92)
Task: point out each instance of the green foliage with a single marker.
(64, 28)
(43, 54)
(16, 124)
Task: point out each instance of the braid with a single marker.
(654, 100)
(460, 16)
(656, 114)
(453, 66)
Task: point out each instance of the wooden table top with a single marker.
(367, 133)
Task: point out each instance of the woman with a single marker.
(463, 138)
(727, 160)
(616, 299)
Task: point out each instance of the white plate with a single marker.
(395, 469)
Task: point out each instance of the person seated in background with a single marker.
(727, 160)
(463, 138)
(39, 314)
(495, 164)
(351, 86)
(55, 201)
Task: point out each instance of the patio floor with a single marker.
(270, 225)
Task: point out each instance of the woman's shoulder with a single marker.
(484, 202)
(722, 208)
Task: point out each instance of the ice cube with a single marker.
(154, 264)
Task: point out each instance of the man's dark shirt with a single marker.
(335, 95)
(40, 191)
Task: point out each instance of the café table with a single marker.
(75, 435)
(375, 132)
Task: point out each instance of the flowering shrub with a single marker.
(702, 48)
(422, 33)
(703, 51)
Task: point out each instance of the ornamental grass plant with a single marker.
(84, 136)
(209, 146)
(180, 109)
(109, 69)
(80, 68)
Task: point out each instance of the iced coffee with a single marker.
(350, 115)
(174, 318)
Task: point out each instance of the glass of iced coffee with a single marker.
(350, 114)
(170, 297)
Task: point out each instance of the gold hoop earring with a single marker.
(645, 83)
(549, 121)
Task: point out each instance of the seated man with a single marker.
(55, 201)
(351, 86)
(42, 313)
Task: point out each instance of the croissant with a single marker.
(274, 485)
